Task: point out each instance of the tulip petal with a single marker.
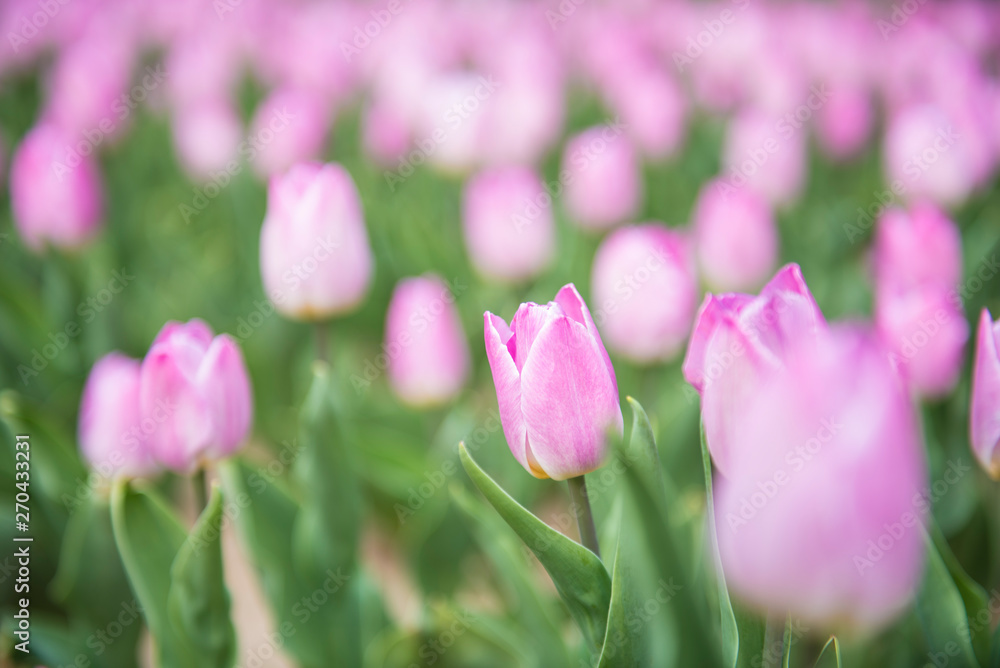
(985, 410)
(508, 385)
(176, 420)
(572, 304)
(567, 401)
(222, 380)
(525, 325)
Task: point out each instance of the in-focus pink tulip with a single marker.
(600, 172)
(55, 191)
(288, 127)
(984, 414)
(207, 135)
(645, 291)
(112, 438)
(736, 342)
(925, 331)
(556, 387)
(194, 394)
(508, 224)
(314, 254)
(735, 236)
(827, 465)
(916, 248)
(425, 343)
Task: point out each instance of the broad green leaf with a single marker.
(829, 657)
(149, 536)
(942, 613)
(743, 631)
(579, 575)
(640, 448)
(198, 601)
(973, 596)
(619, 650)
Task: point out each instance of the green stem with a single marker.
(200, 492)
(584, 515)
(322, 338)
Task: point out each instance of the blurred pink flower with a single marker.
(315, 260)
(288, 127)
(425, 343)
(195, 393)
(207, 136)
(112, 436)
(55, 189)
(508, 225)
(828, 464)
(845, 122)
(737, 341)
(601, 175)
(766, 152)
(555, 386)
(645, 291)
(735, 235)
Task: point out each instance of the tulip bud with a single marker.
(207, 135)
(827, 464)
(737, 341)
(925, 154)
(55, 191)
(925, 330)
(288, 127)
(763, 160)
(915, 248)
(844, 123)
(508, 225)
(601, 177)
(644, 284)
(314, 255)
(194, 393)
(735, 236)
(385, 133)
(425, 343)
(111, 433)
(984, 413)
(555, 386)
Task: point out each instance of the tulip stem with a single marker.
(584, 516)
(200, 494)
(322, 335)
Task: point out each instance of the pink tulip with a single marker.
(845, 122)
(766, 153)
(385, 133)
(735, 236)
(653, 107)
(736, 342)
(827, 465)
(600, 172)
(207, 136)
(194, 393)
(555, 386)
(314, 254)
(646, 292)
(984, 414)
(916, 248)
(112, 438)
(55, 191)
(288, 127)
(508, 224)
(925, 330)
(425, 343)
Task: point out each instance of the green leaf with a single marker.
(149, 536)
(942, 612)
(743, 631)
(579, 575)
(787, 640)
(830, 656)
(198, 602)
(619, 649)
